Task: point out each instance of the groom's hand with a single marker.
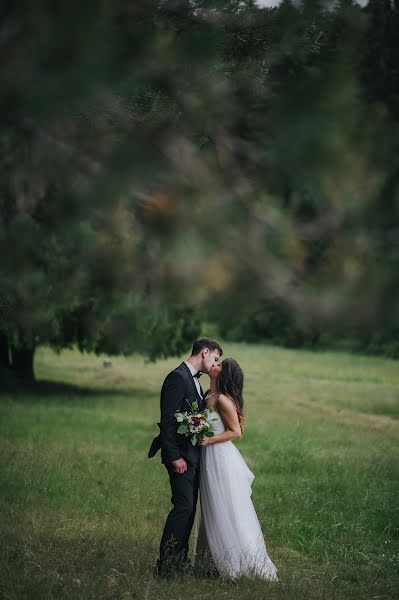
(179, 466)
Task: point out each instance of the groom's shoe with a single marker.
(168, 569)
(163, 571)
(159, 571)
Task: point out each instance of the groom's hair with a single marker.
(205, 342)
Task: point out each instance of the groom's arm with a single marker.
(172, 396)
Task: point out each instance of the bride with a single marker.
(229, 531)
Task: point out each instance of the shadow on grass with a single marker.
(54, 390)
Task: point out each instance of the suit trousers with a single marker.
(179, 522)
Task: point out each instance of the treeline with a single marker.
(272, 323)
(168, 162)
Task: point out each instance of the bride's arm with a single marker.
(228, 413)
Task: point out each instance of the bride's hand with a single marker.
(204, 441)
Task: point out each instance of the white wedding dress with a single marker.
(227, 525)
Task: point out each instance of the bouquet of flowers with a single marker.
(195, 424)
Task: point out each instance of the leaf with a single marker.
(208, 433)
(179, 417)
(194, 405)
(194, 439)
(183, 429)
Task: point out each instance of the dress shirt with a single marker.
(196, 380)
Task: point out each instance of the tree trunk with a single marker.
(4, 352)
(22, 363)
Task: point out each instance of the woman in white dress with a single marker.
(230, 529)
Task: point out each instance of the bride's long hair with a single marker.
(231, 383)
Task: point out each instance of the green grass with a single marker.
(82, 508)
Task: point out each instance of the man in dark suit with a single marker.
(181, 459)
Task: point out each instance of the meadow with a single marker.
(82, 508)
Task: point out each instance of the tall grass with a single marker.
(83, 508)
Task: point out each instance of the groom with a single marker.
(181, 459)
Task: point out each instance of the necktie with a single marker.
(197, 374)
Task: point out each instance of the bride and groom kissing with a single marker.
(213, 469)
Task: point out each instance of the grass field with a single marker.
(82, 508)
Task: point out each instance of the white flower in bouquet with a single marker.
(195, 424)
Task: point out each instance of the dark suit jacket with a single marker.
(178, 393)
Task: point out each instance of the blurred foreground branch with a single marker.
(187, 161)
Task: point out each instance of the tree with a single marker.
(160, 154)
(74, 234)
